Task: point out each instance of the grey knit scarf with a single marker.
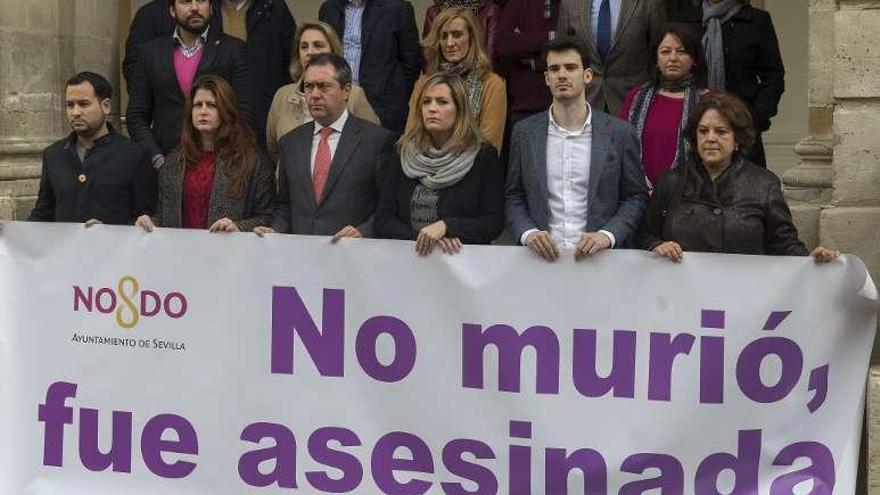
(434, 168)
(714, 15)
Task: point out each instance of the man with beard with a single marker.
(575, 177)
(95, 175)
(166, 68)
(266, 27)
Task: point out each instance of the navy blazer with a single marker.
(391, 55)
(617, 192)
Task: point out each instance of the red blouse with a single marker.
(198, 182)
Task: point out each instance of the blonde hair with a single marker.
(296, 69)
(465, 132)
(476, 56)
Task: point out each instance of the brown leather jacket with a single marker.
(742, 212)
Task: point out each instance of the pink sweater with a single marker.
(186, 68)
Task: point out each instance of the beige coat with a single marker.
(493, 108)
(289, 111)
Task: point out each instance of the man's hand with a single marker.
(590, 244)
(541, 243)
(224, 225)
(92, 221)
(347, 231)
(261, 231)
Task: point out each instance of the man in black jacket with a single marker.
(95, 175)
(266, 26)
(383, 49)
(166, 68)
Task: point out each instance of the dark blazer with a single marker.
(253, 209)
(742, 212)
(270, 28)
(152, 21)
(617, 192)
(364, 154)
(472, 208)
(752, 62)
(156, 103)
(391, 55)
(630, 57)
(119, 186)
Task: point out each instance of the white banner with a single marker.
(186, 362)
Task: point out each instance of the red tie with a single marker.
(322, 163)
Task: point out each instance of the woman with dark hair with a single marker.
(742, 54)
(718, 201)
(449, 189)
(659, 109)
(217, 178)
(455, 46)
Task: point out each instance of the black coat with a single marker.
(752, 62)
(472, 208)
(391, 56)
(156, 103)
(115, 183)
(742, 212)
(270, 28)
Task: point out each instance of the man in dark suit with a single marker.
(266, 26)
(166, 69)
(575, 177)
(331, 168)
(95, 175)
(618, 35)
(381, 43)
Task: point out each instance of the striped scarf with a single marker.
(638, 114)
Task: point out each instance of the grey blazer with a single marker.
(630, 58)
(364, 153)
(617, 191)
(254, 209)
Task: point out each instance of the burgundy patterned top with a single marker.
(198, 182)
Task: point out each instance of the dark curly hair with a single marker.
(733, 110)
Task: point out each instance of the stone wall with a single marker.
(44, 42)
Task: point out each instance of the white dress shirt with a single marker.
(569, 156)
(332, 140)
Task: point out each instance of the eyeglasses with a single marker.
(321, 86)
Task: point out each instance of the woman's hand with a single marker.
(823, 255)
(145, 222)
(223, 225)
(670, 250)
(450, 245)
(429, 236)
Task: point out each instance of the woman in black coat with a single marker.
(719, 201)
(449, 189)
(743, 60)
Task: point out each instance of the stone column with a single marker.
(808, 186)
(854, 222)
(44, 43)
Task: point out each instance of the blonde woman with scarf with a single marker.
(449, 189)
